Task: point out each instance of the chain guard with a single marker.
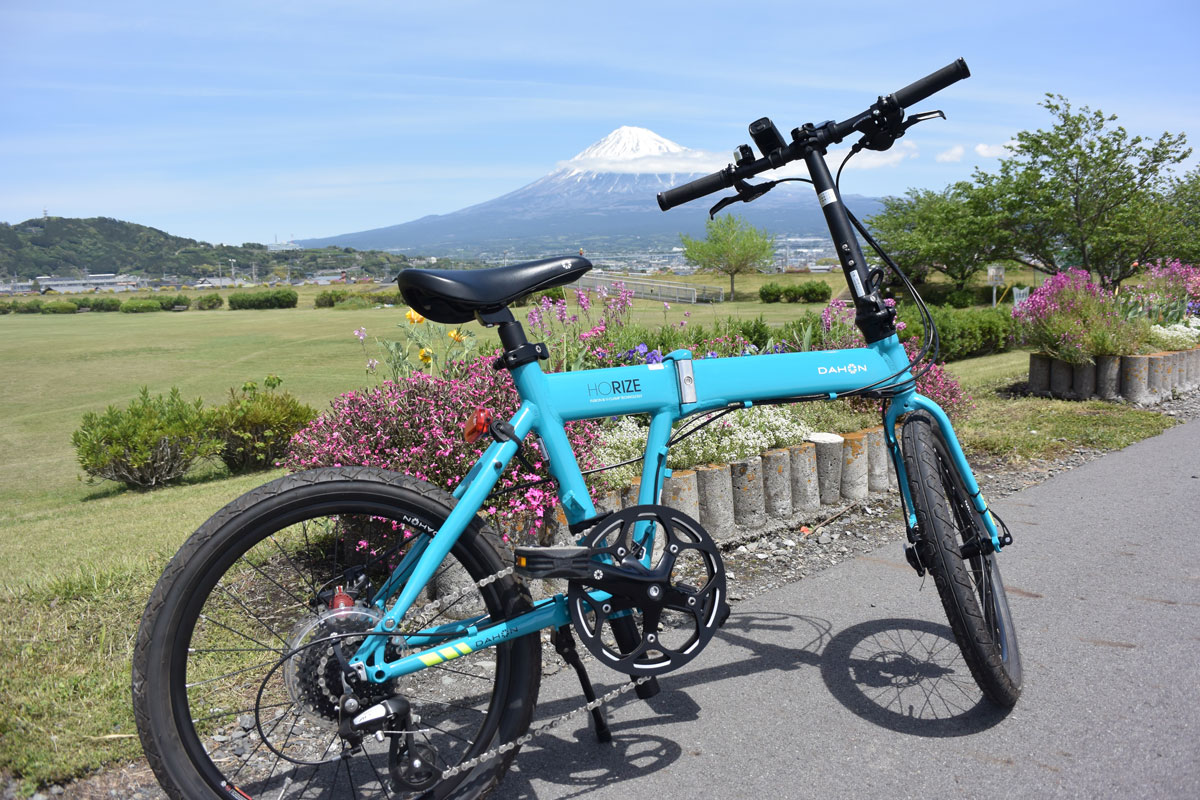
(675, 604)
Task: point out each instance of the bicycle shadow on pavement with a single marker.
(905, 675)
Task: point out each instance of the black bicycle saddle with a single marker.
(453, 296)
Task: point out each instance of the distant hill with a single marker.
(66, 246)
(603, 200)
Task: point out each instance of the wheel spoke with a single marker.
(254, 641)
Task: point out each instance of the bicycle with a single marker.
(354, 632)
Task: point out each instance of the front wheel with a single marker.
(970, 587)
(239, 679)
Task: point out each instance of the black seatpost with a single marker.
(873, 318)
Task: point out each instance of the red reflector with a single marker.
(341, 600)
(477, 424)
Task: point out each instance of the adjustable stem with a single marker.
(873, 318)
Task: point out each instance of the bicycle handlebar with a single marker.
(697, 188)
(833, 133)
(932, 83)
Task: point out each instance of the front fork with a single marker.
(912, 402)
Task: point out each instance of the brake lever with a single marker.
(913, 119)
(884, 138)
(745, 193)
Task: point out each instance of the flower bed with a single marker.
(1092, 342)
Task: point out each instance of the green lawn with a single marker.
(58, 367)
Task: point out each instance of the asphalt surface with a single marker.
(848, 683)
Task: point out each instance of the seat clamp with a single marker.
(524, 354)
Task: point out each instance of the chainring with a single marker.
(675, 595)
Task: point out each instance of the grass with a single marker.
(1019, 427)
(77, 561)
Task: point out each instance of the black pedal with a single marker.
(572, 563)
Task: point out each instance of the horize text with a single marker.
(614, 387)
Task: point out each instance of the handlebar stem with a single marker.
(873, 318)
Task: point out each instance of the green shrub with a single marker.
(271, 298)
(814, 292)
(153, 441)
(387, 297)
(756, 331)
(209, 302)
(355, 302)
(140, 305)
(33, 306)
(255, 427)
(6, 306)
(770, 292)
(329, 298)
(965, 333)
(169, 303)
(941, 294)
(961, 298)
(96, 303)
(59, 307)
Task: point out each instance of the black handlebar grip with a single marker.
(697, 188)
(932, 83)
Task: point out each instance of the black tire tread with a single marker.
(937, 548)
(485, 536)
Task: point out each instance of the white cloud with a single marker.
(687, 162)
(952, 155)
(994, 150)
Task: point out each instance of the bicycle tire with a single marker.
(971, 589)
(240, 624)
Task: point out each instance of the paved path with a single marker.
(847, 684)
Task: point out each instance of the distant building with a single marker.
(98, 282)
(276, 247)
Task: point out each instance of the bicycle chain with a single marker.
(542, 729)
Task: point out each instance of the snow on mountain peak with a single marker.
(633, 150)
(628, 142)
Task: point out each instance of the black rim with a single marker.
(265, 634)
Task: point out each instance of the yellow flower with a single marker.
(414, 317)
(455, 334)
(426, 355)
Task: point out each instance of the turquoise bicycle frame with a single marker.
(678, 387)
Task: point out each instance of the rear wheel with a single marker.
(970, 587)
(238, 683)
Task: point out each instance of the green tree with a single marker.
(954, 231)
(732, 246)
(1086, 193)
(1184, 199)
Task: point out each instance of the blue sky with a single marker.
(250, 121)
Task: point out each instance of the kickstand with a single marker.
(564, 645)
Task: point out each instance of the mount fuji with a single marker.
(601, 200)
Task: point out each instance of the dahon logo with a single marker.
(849, 369)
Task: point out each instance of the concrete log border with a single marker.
(783, 487)
(1139, 379)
